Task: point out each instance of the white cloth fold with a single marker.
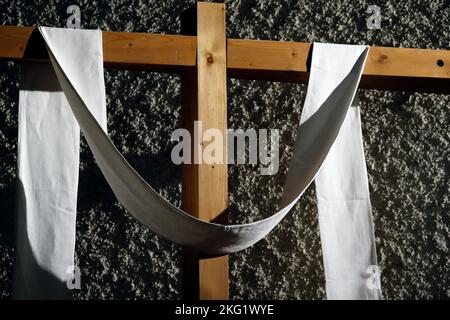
(318, 129)
(342, 188)
(313, 142)
(48, 165)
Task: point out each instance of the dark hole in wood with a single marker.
(440, 63)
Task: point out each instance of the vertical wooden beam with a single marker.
(205, 186)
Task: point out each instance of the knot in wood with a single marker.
(209, 58)
(382, 58)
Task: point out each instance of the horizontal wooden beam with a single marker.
(122, 50)
(421, 70)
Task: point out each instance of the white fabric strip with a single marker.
(316, 135)
(77, 61)
(345, 217)
(342, 188)
(48, 164)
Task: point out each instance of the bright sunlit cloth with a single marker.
(325, 112)
(48, 164)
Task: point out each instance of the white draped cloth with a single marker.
(55, 100)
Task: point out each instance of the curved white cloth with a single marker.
(335, 74)
(315, 137)
(342, 187)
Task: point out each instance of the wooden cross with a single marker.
(204, 58)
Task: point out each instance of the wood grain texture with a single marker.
(13, 41)
(149, 51)
(422, 70)
(154, 52)
(212, 111)
(205, 186)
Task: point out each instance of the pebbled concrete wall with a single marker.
(406, 139)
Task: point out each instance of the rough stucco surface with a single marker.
(406, 140)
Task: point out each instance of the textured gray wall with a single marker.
(406, 139)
